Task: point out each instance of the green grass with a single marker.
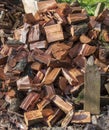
(89, 5)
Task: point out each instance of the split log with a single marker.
(50, 78)
(54, 33)
(87, 50)
(43, 6)
(29, 101)
(77, 18)
(52, 119)
(77, 30)
(84, 39)
(23, 82)
(59, 50)
(38, 44)
(67, 118)
(64, 106)
(32, 117)
(36, 66)
(81, 117)
(34, 33)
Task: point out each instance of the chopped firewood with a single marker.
(34, 33)
(77, 18)
(40, 56)
(68, 76)
(80, 61)
(103, 55)
(38, 44)
(52, 119)
(63, 84)
(50, 91)
(54, 33)
(81, 117)
(101, 65)
(23, 81)
(32, 117)
(36, 66)
(87, 50)
(59, 50)
(77, 30)
(84, 39)
(64, 106)
(31, 99)
(39, 77)
(29, 18)
(24, 33)
(17, 33)
(50, 78)
(41, 105)
(76, 9)
(104, 35)
(63, 9)
(67, 118)
(47, 112)
(93, 34)
(91, 99)
(73, 52)
(43, 6)
(77, 75)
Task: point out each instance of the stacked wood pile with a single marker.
(43, 64)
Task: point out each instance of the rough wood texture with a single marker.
(92, 89)
(34, 33)
(32, 117)
(59, 50)
(81, 117)
(77, 18)
(38, 44)
(31, 99)
(46, 5)
(54, 33)
(67, 119)
(50, 78)
(64, 106)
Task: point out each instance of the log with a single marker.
(81, 117)
(52, 119)
(50, 78)
(67, 118)
(32, 117)
(34, 33)
(59, 50)
(38, 44)
(29, 101)
(64, 106)
(77, 18)
(84, 39)
(23, 81)
(43, 6)
(54, 33)
(36, 66)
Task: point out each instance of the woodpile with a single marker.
(47, 62)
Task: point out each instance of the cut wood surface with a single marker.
(54, 61)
